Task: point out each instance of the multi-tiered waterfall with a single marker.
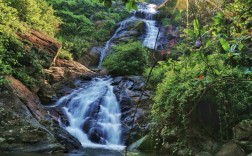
(92, 111)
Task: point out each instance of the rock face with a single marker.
(243, 135)
(135, 111)
(47, 48)
(231, 149)
(25, 124)
(60, 76)
(64, 70)
(91, 59)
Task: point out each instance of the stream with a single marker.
(92, 110)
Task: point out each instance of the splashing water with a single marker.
(94, 115)
(145, 13)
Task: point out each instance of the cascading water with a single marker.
(92, 111)
(145, 13)
(122, 26)
(149, 12)
(94, 115)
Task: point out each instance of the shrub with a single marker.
(127, 59)
(64, 54)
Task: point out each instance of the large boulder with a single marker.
(65, 70)
(25, 124)
(135, 106)
(243, 130)
(243, 135)
(231, 149)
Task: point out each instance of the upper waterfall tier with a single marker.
(153, 36)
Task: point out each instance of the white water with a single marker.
(94, 115)
(123, 25)
(92, 110)
(147, 14)
(151, 26)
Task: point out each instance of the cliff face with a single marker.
(26, 125)
(21, 117)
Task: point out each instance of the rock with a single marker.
(147, 144)
(231, 149)
(30, 100)
(204, 154)
(46, 94)
(242, 134)
(39, 41)
(26, 125)
(246, 145)
(243, 131)
(92, 57)
(20, 117)
(143, 144)
(134, 31)
(134, 118)
(66, 70)
(117, 80)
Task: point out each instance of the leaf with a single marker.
(208, 43)
(129, 5)
(240, 46)
(134, 6)
(196, 27)
(108, 3)
(190, 33)
(201, 77)
(224, 43)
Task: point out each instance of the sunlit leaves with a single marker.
(131, 4)
(225, 44)
(196, 27)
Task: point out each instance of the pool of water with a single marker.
(87, 152)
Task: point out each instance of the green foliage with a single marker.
(63, 54)
(85, 23)
(212, 66)
(37, 14)
(127, 59)
(18, 17)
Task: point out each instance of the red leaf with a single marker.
(201, 77)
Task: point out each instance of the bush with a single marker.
(127, 59)
(64, 54)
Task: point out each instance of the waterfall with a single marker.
(92, 111)
(94, 115)
(146, 13)
(122, 26)
(151, 26)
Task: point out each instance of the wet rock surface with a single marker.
(135, 106)
(243, 135)
(26, 125)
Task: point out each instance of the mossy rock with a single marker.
(147, 144)
(143, 144)
(138, 26)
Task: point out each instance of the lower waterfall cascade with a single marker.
(94, 115)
